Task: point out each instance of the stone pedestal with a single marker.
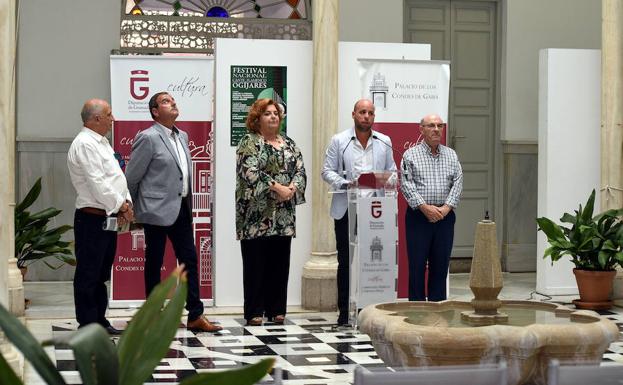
(15, 289)
(319, 282)
(11, 356)
(319, 290)
(485, 278)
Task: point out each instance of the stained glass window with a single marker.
(271, 9)
(161, 26)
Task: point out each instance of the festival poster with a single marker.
(403, 92)
(249, 83)
(134, 79)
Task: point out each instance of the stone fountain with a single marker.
(526, 334)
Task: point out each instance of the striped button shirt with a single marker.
(431, 179)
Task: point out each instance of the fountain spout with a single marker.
(485, 278)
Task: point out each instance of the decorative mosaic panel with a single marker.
(156, 26)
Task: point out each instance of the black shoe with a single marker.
(113, 331)
(342, 319)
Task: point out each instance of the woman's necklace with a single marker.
(276, 142)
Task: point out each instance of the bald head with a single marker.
(97, 115)
(363, 115)
(431, 127)
(367, 102)
(429, 118)
(90, 108)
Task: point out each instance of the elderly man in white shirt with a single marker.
(102, 192)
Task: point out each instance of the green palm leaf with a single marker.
(7, 375)
(148, 337)
(247, 375)
(30, 198)
(95, 355)
(30, 348)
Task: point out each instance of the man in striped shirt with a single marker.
(432, 182)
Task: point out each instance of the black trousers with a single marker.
(180, 233)
(265, 271)
(95, 253)
(343, 262)
(432, 243)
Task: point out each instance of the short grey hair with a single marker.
(90, 109)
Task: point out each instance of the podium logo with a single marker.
(376, 209)
(139, 92)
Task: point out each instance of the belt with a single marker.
(95, 211)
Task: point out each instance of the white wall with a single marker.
(371, 20)
(531, 25)
(297, 56)
(63, 49)
(569, 146)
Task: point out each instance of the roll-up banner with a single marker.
(403, 92)
(190, 80)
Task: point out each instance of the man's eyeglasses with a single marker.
(440, 126)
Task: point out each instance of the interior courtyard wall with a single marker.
(528, 26)
(370, 20)
(63, 53)
(531, 25)
(63, 49)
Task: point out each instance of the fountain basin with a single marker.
(425, 334)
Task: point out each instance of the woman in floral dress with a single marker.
(270, 182)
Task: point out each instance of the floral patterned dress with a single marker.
(258, 212)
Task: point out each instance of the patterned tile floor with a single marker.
(308, 348)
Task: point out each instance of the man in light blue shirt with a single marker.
(352, 152)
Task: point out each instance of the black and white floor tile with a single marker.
(308, 348)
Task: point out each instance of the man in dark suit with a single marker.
(159, 179)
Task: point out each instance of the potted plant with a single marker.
(34, 240)
(595, 246)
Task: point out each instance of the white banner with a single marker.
(376, 250)
(404, 91)
(134, 79)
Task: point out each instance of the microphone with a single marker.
(349, 142)
(385, 143)
(392, 148)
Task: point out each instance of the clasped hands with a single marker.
(284, 193)
(434, 213)
(125, 214)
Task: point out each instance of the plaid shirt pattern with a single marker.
(430, 179)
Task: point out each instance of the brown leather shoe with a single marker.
(278, 319)
(255, 321)
(202, 324)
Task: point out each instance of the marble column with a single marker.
(11, 289)
(612, 104)
(319, 287)
(612, 116)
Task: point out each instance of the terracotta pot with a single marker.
(23, 270)
(594, 286)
